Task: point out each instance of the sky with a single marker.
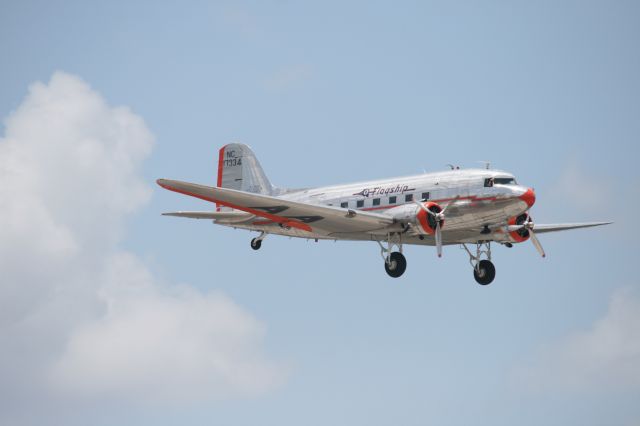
(113, 314)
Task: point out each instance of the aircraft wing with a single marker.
(314, 218)
(541, 228)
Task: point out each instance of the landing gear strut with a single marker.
(394, 261)
(483, 270)
(256, 243)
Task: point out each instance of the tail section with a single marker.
(238, 168)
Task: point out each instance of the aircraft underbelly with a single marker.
(465, 224)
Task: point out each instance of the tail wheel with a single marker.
(485, 272)
(256, 244)
(396, 264)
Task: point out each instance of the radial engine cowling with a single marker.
(521, 234)
(426, 222)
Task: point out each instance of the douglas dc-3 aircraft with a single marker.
(474, 206)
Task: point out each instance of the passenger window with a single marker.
(425, 196)
(376, 201)
(344, 205)
(360, 203)
(392, 200)
(408, 197)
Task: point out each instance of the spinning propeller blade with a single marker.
(452, 202)
(536, 243)
(530, 225)
(439, 217)
(425, 209)
(438, 239)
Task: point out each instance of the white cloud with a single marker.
(582, 189)
(603, 358)
(587, 194)
(172, 345)
(78, 315)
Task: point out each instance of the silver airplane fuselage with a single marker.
(484, 201)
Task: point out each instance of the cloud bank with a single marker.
(605, 358)
(79, 315)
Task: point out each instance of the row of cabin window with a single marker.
(392, 200)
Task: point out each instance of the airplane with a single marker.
(457, 206)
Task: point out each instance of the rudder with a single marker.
(238, 168)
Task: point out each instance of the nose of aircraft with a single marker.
(529, 197)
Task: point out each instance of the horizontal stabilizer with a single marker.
(226, 215)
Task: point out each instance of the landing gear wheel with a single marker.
(396, 265)
(485, 272)
(256, 244)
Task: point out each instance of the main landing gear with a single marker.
(256, 243)
(395, 264)
(394, 261)
(483, 270)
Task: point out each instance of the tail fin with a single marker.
(238, 168)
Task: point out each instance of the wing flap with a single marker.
(315, 218)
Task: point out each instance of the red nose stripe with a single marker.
(529, 197)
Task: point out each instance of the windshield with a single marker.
(504, 181)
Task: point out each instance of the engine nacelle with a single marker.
(426, 222)
(522, 234)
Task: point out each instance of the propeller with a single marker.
(438, 238)
(439, 218)
(529, 225)
(536, 243)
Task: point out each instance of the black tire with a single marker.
(485, 272)
(397, 264)
(256, 244)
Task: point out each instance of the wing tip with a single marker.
(600, 223)
(163, 183)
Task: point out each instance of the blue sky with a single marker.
(327, 93)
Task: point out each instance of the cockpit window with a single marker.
(504, 181)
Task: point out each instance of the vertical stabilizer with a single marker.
(238, 168)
